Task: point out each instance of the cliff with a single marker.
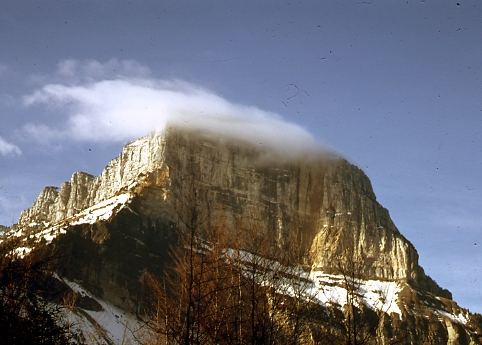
(117, 224)
(325, 198)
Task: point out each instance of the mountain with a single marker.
(119, 224)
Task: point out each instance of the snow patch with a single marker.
(99, 212)
(376, 294)
(112, 324)
(326, 289)
(460, 318)
(103, 210)
(49, 234)
(22, 251)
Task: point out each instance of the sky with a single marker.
(393, 86)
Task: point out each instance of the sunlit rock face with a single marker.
(120, 223)
(83, 190)
(54, 204)
(137, 160)
(329, 201)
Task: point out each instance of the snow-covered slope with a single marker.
(110, 325)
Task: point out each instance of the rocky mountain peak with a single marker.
(325, 197)
(322, 197)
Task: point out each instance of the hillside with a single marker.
(120, 224)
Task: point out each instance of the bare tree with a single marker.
(228, 285)
(29, 308)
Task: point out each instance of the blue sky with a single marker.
(394, 86)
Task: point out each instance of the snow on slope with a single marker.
(325, 289)
(100, 212)
(103, 210)
(330, 290)
(376, 294)
(114, 325)
(111, 325)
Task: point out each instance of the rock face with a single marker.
(54, 205)
(327, 199)
(322, 197)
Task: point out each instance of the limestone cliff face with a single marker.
(83, 190)
(40, 210)
(137, 160)
(54, 204)
(118, 224)
(323, 197)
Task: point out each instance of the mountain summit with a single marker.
(116, 226)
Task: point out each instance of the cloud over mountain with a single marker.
(118, 101)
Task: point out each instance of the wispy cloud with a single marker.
(90, 70)
(105, 106)
(7, 148)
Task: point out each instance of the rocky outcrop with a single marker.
(328, 202)
(325, 198)
(83, 190)
(40, 210)
(54, 204)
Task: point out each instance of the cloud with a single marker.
(7, 148)
(75, 71)
(42, 134)
(122, 108)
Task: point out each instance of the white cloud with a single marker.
(124, 108)
(74, 71)
(42, 134)
(7, 148)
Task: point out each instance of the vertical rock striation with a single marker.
(329, 201)
(54, 204)
(119, 224)
(83, 190)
